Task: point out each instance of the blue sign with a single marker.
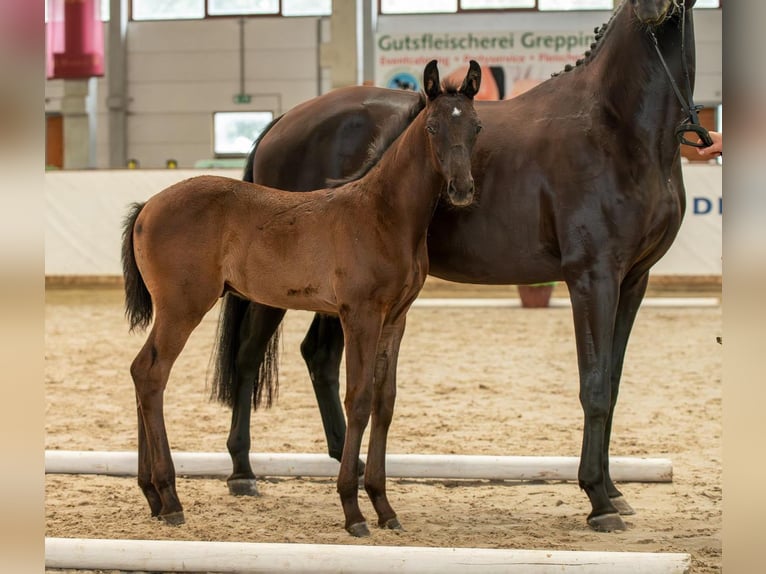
(403, 81)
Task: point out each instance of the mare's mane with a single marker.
(600, 31)
(588, 56)
(388, 134)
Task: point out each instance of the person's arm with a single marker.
(713, 150)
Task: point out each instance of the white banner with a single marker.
(512, 61)
(85, 211)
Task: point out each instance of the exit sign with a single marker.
(242, 98)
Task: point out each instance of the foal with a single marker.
(357, 251)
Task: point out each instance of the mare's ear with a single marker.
(431, 85)
(472, 80)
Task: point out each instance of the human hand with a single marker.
(714, 150)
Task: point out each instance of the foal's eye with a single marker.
(431, 129)
(478, 128)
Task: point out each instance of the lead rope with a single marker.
(691, 123)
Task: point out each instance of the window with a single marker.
(235, 132)
(168, 9)
(495, 4)
(196, 9)
(575, 4)
(229, 7)
(410, 7)
(452, 6)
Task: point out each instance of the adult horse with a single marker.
(579, 179)
(357, 251)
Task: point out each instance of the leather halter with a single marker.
(691, 123)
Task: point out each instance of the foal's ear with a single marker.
(472, 80)
(431, 85)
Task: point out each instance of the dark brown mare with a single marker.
(578, 179)
(356, 251)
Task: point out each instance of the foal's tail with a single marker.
(225, 383)
(138, 301)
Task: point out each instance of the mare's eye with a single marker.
(478, 128)
(431, 129)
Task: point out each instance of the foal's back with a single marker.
(270, 245)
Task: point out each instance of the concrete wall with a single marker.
(180, 72)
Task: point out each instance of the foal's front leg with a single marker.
(383, 399)
(361, 330)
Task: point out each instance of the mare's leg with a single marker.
(322, 349)
(632, 293)
(362, 329)
(150, 371)
(594, 294)
(258, 326)
(383, 399)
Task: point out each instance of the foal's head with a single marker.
(452, 125)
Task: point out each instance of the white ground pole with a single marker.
(433, 466)
(192, 556)
(560, 302)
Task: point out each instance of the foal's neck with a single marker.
(405, 180)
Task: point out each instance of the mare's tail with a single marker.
(248, 174)
(138, 301)
(224, 382)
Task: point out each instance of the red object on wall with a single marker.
(75, 35)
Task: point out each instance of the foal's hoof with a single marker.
(359, 530)
(392, 524)
(622, 505)
(606, 522)
(243, 487)
(173, 518)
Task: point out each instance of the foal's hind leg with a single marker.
(145, 467)
(258, 326)
(150, 371)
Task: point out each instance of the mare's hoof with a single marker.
(359, 530)
(173, 518)
(243, 487)
(606, 522)
(392, 524)
(622, 505)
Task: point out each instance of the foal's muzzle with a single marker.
(461, 193)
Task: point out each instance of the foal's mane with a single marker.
(388, 134)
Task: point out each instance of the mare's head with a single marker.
(451, 125)
(655, 12)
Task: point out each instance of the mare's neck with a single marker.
(629, 77)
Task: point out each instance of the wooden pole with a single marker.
(434, 466)
(194, 556)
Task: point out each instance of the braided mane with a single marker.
(599, 31)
